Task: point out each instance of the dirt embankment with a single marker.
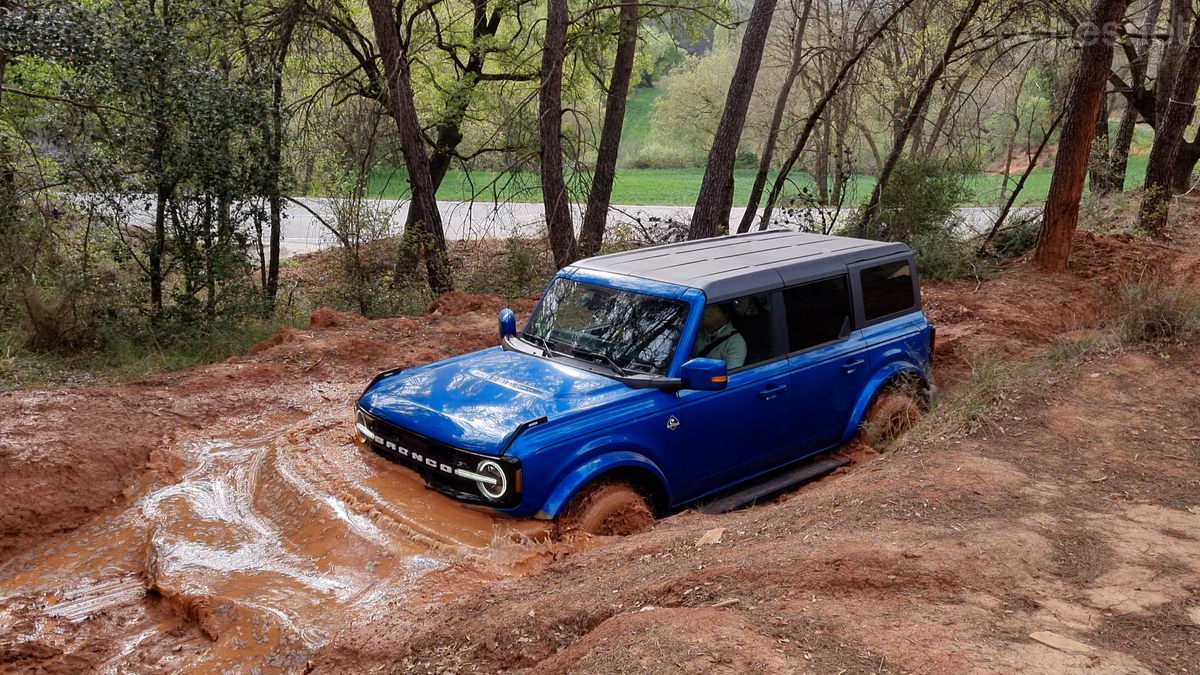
(69, 453)
(1075, 514)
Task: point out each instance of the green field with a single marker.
(679, 187)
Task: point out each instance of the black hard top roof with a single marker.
(743, 264)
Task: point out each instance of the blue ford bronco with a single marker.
(654, 378)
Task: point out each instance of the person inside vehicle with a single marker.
(718, 339)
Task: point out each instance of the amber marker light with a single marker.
(721, 378)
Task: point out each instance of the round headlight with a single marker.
(496, 489)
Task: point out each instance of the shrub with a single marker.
(1016, 239)
(1154, 312)
(943, 254)
(920, 197)
(648, 231)
(658, 155)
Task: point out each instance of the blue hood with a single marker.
(475, 401)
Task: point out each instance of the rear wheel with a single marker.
(606, 508)
(892, 413)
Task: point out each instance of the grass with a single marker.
(1154, 312)
(680, 187)
(125, 360)
(639, 113)
(1149, 312)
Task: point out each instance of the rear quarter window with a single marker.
(887, 289)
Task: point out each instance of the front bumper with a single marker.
(461, 474)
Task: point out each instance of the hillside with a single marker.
(221, 517)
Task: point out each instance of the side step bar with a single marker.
(773, 484)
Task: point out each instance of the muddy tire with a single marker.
(891, 414)
(606, 508)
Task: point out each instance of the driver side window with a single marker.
(739, 332)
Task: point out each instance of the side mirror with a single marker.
(508, 323)
(705, 374)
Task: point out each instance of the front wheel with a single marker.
(606, 508)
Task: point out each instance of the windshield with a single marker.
(624, 330)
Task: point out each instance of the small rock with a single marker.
(713, 536)
(1060, 643)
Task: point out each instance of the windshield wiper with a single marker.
(578, 351)
(547, 350)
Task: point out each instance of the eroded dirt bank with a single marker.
(1079, 515)
(220, 518)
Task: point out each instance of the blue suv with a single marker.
(653, 378)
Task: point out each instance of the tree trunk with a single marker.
(1180, 14)
(821, 165)
(1012, 199)
(412, 144)
(711, 215)
(914, 113)
(287, 26)
(1075, 144)
(785, 91)
(554, 189)
(449, 132)
(1161, 169)
(411, 241)
(1099, 180)
(815, 115)
(939, 126)
(1185, 163)
(1137, 74)
(591, 233)
(1120, 148)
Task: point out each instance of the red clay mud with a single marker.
(221, 517)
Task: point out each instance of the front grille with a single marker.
(436, 461)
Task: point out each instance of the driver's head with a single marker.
(594, 299)
(714, 317)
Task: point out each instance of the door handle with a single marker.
(851, 366)
(772, 391)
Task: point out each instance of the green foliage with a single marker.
(686, 116)
(919, 199)
(746, 159)
(1016, 239)
(517, 267)
(155, 135)
(942, 254)
(126, 358)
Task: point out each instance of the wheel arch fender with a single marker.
(605, 463)
(878, 381)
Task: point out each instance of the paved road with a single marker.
(304, 232)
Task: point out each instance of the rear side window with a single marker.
(817, 313)
(887, 289)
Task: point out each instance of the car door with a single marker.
(888, 310)
(827, 358)
(733, 434)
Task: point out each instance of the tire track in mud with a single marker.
(269, 540)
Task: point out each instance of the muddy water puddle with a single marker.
(248, 551)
